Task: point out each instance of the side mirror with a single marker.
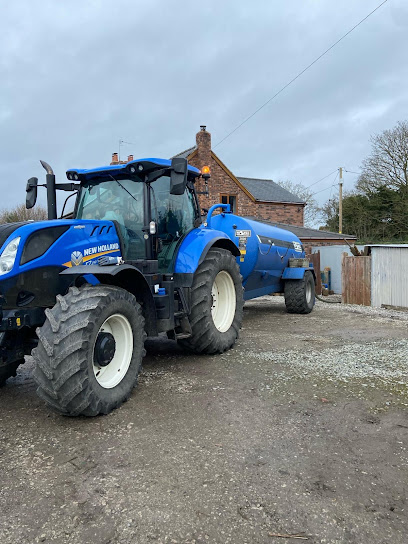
(178, 176)
(31, 190)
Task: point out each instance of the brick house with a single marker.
(262, 198)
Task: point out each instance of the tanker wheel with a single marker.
(90, 350)
(9, 371)
(300, 294)
(216, 304)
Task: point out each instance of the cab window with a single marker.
(174, 216)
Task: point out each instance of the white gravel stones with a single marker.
(386, 360)
(366, 310)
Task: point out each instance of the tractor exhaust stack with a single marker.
(51, 191)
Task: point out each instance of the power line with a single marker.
(351, 172)
(334, 181)
(300, 73)
(325, 189)
(328, 175)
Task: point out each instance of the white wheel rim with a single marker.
(308, 292)
(111, 375)
(223, 301)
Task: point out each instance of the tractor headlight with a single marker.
(8, 257)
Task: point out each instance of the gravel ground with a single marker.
(301, 429)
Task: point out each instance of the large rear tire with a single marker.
(9, 371)
(300, 294)
(216, 304)
(90, 350)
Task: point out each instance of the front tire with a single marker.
(90, 350)
(216, 304)
(300, 294)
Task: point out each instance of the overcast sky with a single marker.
(76, 76)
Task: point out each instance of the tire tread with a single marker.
(295, 298)
(206, 338)
(61, 357)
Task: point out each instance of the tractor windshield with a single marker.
(116, 200)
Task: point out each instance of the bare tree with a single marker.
(312, 211)
(387, 166)
(20, 213)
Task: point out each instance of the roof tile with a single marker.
(267, 190)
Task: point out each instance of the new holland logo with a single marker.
(77, 258)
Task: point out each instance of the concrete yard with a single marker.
(301, 429)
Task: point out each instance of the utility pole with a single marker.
(341, 200)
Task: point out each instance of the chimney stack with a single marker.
(203, 140)
(115, 158)
(130, 158)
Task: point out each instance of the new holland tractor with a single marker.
(137, 259)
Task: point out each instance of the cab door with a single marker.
(174, 216)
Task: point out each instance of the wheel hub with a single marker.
(105, 348)
(113, 350)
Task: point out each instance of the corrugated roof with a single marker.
(388, 245)
(306, 232)
(185, 154)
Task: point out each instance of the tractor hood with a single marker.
(58, 243)
(7, 230)
(33, 254)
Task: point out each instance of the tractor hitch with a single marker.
(12, 320)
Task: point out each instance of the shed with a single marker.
(389, 277)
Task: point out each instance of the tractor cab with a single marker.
(151, 201)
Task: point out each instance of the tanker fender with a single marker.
(197, 244)
(296, 273)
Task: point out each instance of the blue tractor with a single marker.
(137, 259)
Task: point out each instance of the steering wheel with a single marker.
(134, 236)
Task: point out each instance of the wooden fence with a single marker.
(356, 280)
(315, 259)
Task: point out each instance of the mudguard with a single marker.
(126, 276)
(296, 273)
(196, 245)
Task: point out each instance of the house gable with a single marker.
(276, 203)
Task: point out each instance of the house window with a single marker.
(231, 200)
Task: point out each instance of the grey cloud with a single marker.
(75, 77)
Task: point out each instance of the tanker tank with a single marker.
(265, 252)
